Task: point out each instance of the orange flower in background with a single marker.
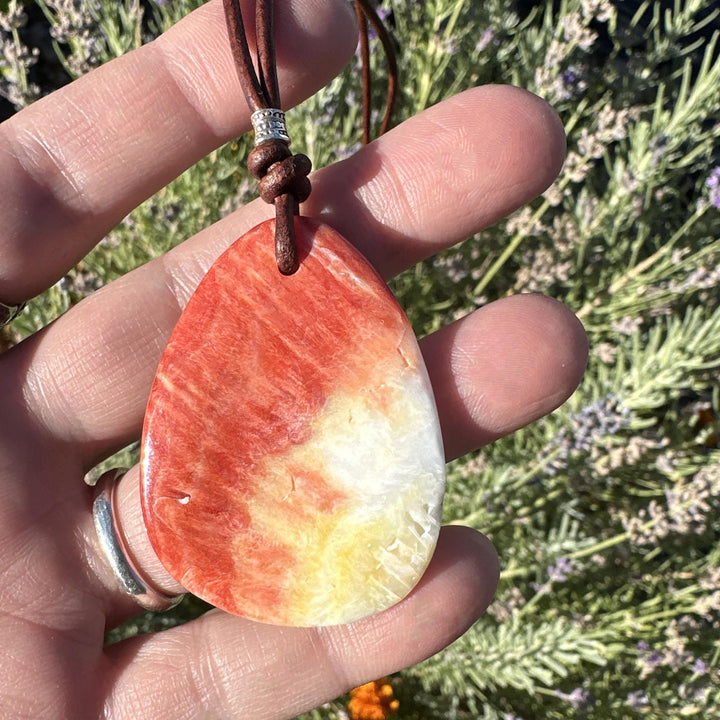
(707, 418)
(372, 701)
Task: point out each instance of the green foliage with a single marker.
(605, 513)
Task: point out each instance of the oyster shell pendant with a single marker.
(292, 467)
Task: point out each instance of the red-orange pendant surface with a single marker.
(292, 468)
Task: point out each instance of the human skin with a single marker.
(75, 163)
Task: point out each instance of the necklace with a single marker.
(292, 468)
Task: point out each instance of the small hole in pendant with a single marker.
(184, 500)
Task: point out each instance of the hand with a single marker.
(71, 166)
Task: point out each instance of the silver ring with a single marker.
(113, 544)
(9, 312)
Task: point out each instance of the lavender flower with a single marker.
(561, 570)
(570, 83)
(570, 76)
(653, 659)
(579, 697)
(601, 10)
(601, 418)
(596, 421)
(383, 14)
(577, 33)
(16, 59)
(637, 700)
(713, 185)
(485, 39)
(76, 24)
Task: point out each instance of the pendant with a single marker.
(292, 466)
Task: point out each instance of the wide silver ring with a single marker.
(115, 548)
(9, 312)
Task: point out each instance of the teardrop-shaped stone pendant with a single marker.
(292, 463)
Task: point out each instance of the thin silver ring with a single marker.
(9, 312)
(113, 544)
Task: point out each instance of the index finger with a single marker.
(74, 164)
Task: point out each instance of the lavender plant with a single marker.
(16, 58)
(604, 514)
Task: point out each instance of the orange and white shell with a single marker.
(292, 462)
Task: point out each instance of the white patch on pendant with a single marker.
(391, 462)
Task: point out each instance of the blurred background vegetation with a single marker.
(605, 514)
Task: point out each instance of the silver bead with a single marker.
(269, 124)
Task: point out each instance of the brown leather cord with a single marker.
(367, 14)
(267, 67)
(284, 183)
(288, 185)
(366, 75)
(282, 175)
(254, 94)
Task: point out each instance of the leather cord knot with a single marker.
(284, 183)
(287, 177)
(283, 176)
(280, 172)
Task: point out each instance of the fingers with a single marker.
(461, 166)
(74, 164)
(503, 367)
(220, 666)
(499, 369)
(102, 354)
